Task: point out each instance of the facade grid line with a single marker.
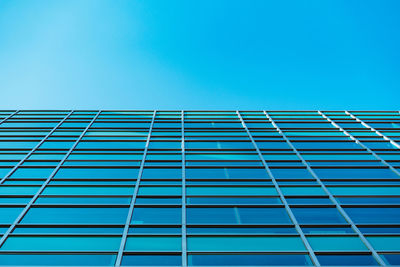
(331, 197)
(184, 239)
(9, 116)
(373, 129)
(40, 190)
(281, 196)
(35, 148)
(360, 143)
(134, 196)
(199, 188)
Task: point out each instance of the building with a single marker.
(199, 188)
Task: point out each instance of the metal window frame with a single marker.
(360, 143)
(124, 237)
(331, 197)
(373, 129)
(35, 148)
(25, 210)
(282, 197)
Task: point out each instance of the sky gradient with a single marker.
(209, 54)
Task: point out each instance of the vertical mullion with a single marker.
(331, 197)
(281, 196)
(9, 116)
(373, 129)
(35, 148)
(360, 143)
(184, 241)
(133, 200)
(25, 210)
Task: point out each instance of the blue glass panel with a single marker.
(374, 215)
(242, 230)
(347, 260)
(233, 200)
(226, 173)
(17, 145)
(369, 200)
(151, 260)
(155, 230)
(61, 243)
(56, 145)
(164, 145)
(84, 200)
(355, 173)
(56, 259)
(88, 190)
(318, 215)
(32, 173)
(76, 216)
(4, 171)
(153, 243)
(328, 230)
(326, 145)
(18, 190)
(110, 145)
(162, 173)
(156, 216)
(218, 145)
(8, 215)
(391, 259)
(273, 145)
(291, 173)
(159, 201)
(380, 230)
(68, 230)
(97, 173)
(236, 215)
(249, 260)
(245, 243)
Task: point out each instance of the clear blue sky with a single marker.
(208, 54)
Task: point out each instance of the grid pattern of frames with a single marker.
(199, 188)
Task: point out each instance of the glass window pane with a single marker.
(156, 216)
(8, 214)
(249, 260)
(374, 215)
(56, 259)
(244, 243)
(151, 243)
(347, 260)
(75, 216)
(231, 191)
(318, 215)
(151, 260)
(336, 243)
(61, 243)
(390, 243)
(237, 215)
(87, 190)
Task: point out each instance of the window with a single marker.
(318, 216)
(237, 215)
(249, 260)
(61, 215)
(153, 243)
(13, 259)
(156, 216)
(61, 243)
(151, 260)
(347, 260)
(244, 243)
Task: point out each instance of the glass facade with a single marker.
(199, 188)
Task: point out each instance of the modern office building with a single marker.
(199, 188)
